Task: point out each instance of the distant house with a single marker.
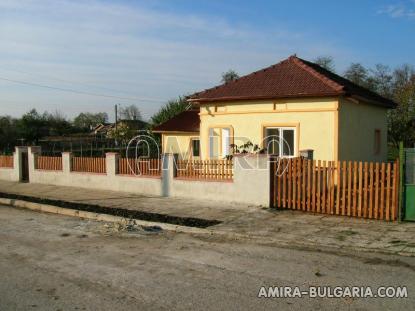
(286, 108)
(102, 129)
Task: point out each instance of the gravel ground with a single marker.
(281, 226)
(50, 262)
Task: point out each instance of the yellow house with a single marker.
(288, 109)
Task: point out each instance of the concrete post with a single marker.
(168, 172)
(66, 162)
(111, 162)
(252, 179)
(17, 163)
(18, 168)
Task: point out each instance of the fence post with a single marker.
(18, 168)
(111, 159)
(252, 180)
(168, 173)
(401, 180)
(66, 162)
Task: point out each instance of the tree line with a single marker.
(33, 125)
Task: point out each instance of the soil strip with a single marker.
(115, 211)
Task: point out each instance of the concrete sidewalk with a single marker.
(163, 205)
(262, 225)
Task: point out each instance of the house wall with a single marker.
(178, 143)
(315, 120)
(357, 124)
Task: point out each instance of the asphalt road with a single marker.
(50, 262)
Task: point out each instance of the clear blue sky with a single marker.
(146, 52)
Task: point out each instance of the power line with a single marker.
(77, 91)
(85, 84)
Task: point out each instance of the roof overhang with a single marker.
(373, 102)
(249, 98)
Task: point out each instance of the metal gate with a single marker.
(25, 167)
(409, 184)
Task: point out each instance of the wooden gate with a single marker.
(358, 189)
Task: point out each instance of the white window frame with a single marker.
(225, 141)
(225, 138)
(281, 142)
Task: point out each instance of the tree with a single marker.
(229, 76)
(357, 73)
(131, 112)
(401, 121)
(169, 110)
(380, 80)
(326, 62)
(57, 123)
(122, 133)
(32, 126)
(8, 134)
(86, 120)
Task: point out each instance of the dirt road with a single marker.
(50, 262)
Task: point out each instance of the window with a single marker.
(280, 141)
(378, 143)
(219, 142)
(196, 147)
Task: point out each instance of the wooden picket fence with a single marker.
(49, 163)
(357, 189)
(205, 169)
(6, 161)
(139, 167)
(88, 165)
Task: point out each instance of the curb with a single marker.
(98, 217)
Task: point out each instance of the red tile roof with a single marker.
(186, 121)
(293, 77)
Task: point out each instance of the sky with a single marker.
(87, 56)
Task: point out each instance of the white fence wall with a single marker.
(108, 181)
(250, 184)
(15, 173)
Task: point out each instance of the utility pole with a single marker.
(116, 115)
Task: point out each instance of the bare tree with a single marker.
(326, 62)
(87, 120)
(357, 73)
(230, 75)
(131, 112)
